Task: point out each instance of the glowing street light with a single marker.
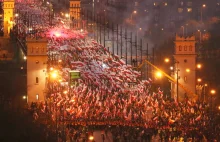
(203, 6)
(67, 15)
(212, 92)
(134, 12)
(91, 138)
(54, 74)
(199, 80)
(199, 66)
(158, 74)
(200, 36)
(166, 60)
(188, 70)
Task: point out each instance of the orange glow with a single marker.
(187, 70)
(167, 60)
(91, 138)
(212, 92)
(199, 66)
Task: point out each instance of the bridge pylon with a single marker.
(8, 7)
(36, 69)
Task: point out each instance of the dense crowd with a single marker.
(110, 93)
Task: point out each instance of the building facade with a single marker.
(8, 7)
(36, 69)
(185, 68)
(74, 12)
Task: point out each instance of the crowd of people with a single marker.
(111, 95)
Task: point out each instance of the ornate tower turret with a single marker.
(75, 7)
(8, 7)
(36, 69)
(184, 59)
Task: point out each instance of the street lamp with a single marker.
(166, 60)
(204, 91)
(212, 92)
(199, 80)
(67, 16)
(203, 6)
(183, 30)
(158, 74)
(134, 12)
(200, 36)
(175, 70)
(199, 66)
(91, 138)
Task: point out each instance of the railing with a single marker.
(20, 43)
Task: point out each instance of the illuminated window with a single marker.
(180, 48)
(189, 9)
(37, 97)
(37, 80)
(180, 10)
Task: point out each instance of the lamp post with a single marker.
(183, 30)
(138, 30)
(201, 14)
(212, 93)
(204, 92)
(176, 70)
(134, 12)
(54, 76)
(177, 80)
(200, 36)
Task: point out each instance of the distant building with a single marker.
(185, 69)
(75, 13)
(36, 69)
(8, 7)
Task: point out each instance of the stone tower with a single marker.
(75, 8)
(184, 59)
(8, 7)
(36, 69)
